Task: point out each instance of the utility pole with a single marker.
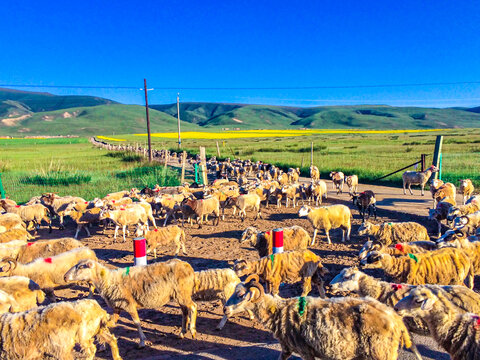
(178, 118)
(148, 121)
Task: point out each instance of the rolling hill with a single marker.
(34, 113)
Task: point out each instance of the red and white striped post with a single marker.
(277, 241)
(140, 251)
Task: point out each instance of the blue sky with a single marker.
(182, 44)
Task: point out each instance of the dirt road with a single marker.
(218, 246)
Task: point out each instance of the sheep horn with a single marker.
(250, 277)
(466, 219)
(259, 287)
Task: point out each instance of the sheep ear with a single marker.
(90, 264)
(427, 304)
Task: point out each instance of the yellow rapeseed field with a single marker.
(270, 133)
(109, 138)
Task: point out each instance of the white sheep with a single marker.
(417, 178)
(328, 217)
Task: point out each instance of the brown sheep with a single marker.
(289, 267)
(399, 249)
(453, 330)
(352, 183)
(15, 234)
(466, 189)
(150, 286)
(165, 236)
(34, 214)
(392, 233)
(53, 331)
(204, 207)
(447, 266)
(26, 292)
(294, 238)
(338, 178)
(417, 178)
(335, 329)
(11, 221)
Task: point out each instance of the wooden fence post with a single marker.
(311, 155)
(203, 165)
(423, 158)
(218, 150)
(184, 158)
(166, 158)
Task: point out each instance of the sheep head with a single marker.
(372, 261)
(304, 211)
(241, 267)
(7, 265)
(347, 280)
(364, 229)
(246, 294)
(249, 235)
(85, 270)
(451, 238)
(420, 300)
(368, 247)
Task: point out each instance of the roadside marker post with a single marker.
(278, 241)
(140, 251)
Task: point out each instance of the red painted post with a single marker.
(140, 251)
(278, 241)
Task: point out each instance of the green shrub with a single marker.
(56, 178)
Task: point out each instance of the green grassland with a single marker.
(30, 113)
(368, 155)
(30, 167)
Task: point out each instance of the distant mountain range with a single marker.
(34, 113)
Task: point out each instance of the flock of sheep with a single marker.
(432, 293)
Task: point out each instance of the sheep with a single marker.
(352, 280)
(453, 330)
(150, 286)
(116, 195)
(29, 213)
(365, 201)
(57, 205)
(459, 240)
(392, 233)
(291, 194)
(335, 329)
(447, 266)
(216, 284)
(314, 191)
(53, 332)
(399, 249)
(417, 178)
(11, 248)
(440, 213)
(294, 175)
(352, 183)
(83, 218)
(338, 179)
(15, 234)
(26, 293)
(448, 191)
(468, 223)
(165, 236)
(466, 189)
(294, 238)
(289, 267)
(9, 221)
(124, 217)
(462, 210)
(8, 303)
(328, 217)
(204, 207)
(45, 248)
(434, 186)
(48, 272)
(314, 173)
(244, 202)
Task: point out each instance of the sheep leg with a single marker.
(177, 250)
(79, 227)
(88, 231)
(155, 253)
(307, 286)
(116, 232)
(166, 219)
(439, 228)
(327, 231)
(423, 187)
(348, 233)
(410, 189)
(153, 221)
(62, 227)
(136, 320)
(285, 354)
(314, 236)
(105, 336)
(123, 232)
(404, 190)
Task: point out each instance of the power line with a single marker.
(317, 87)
